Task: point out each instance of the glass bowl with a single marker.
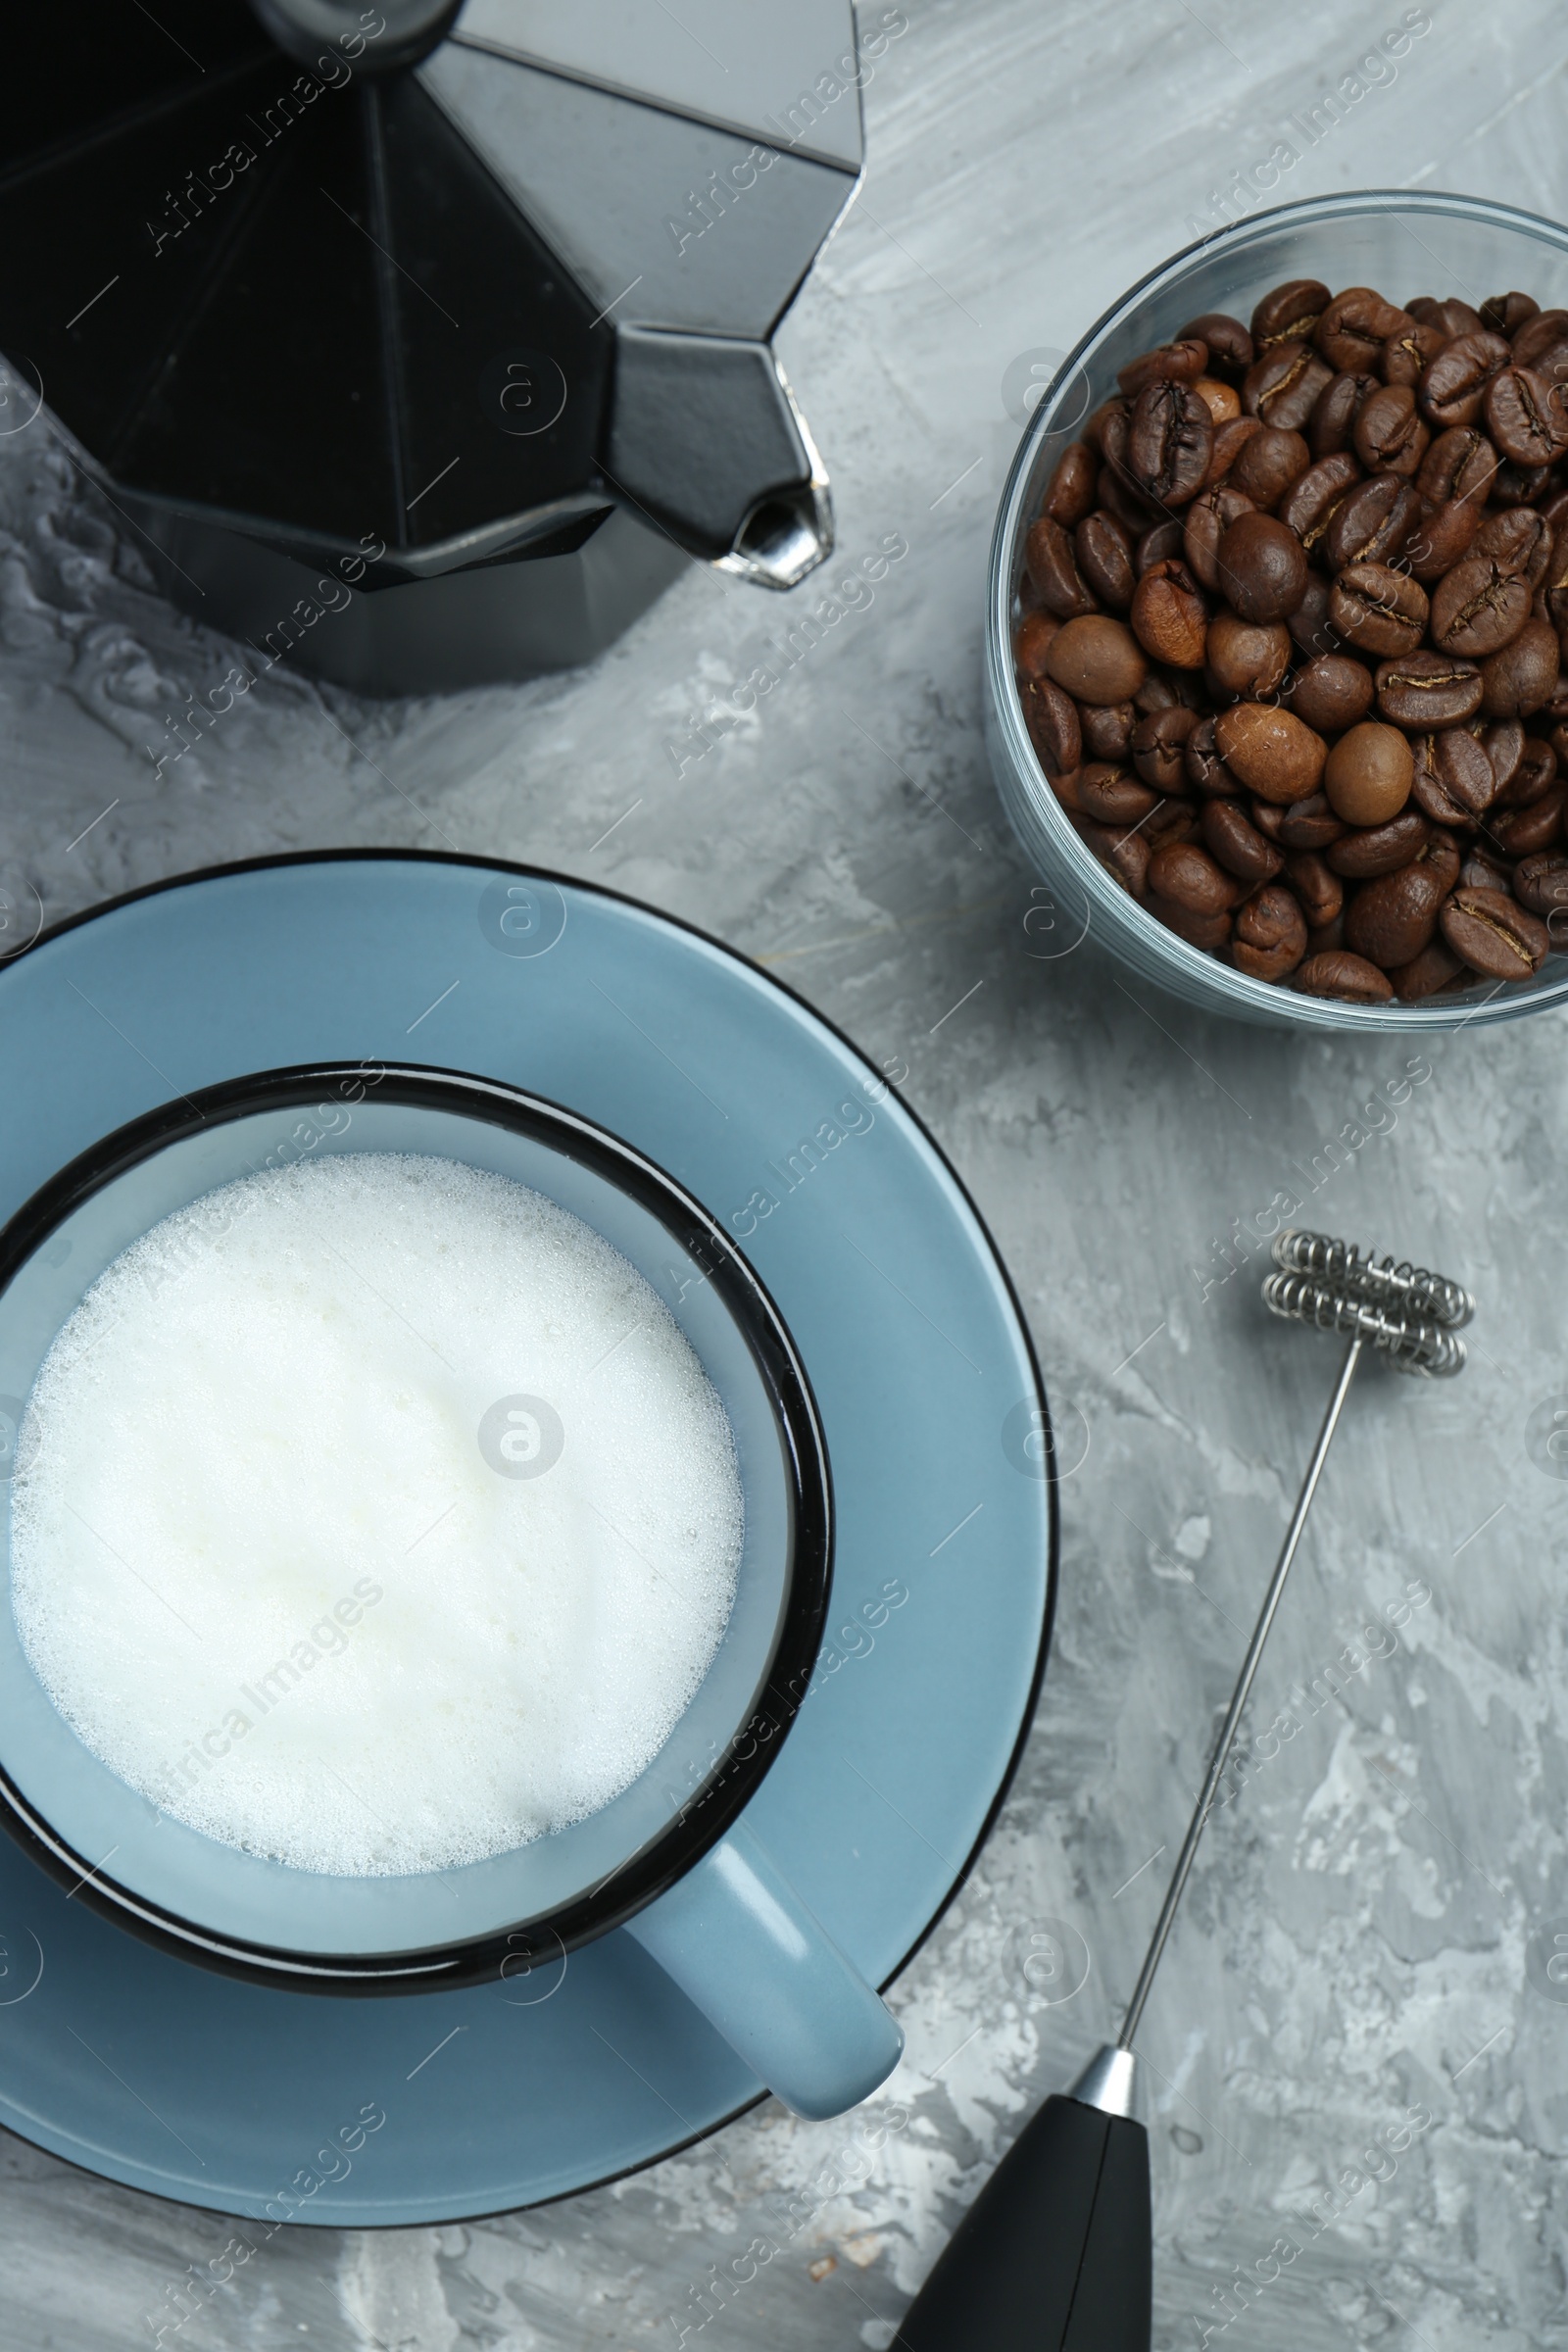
(1402, 244)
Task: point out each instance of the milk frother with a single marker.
(1056, 2253)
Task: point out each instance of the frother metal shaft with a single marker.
(1412, 1317)
(1240, 1696)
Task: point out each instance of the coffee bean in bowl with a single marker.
(1330, 621)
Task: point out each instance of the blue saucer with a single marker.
(439, 2107)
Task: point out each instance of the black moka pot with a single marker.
(419, 345)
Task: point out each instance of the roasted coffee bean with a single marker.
(1186, 876)
(1367, 773)
(1436, 967)
(1179, 363)
(1331, 693)
(1552, 363)
(1169, 443)
(1408, 354)
(1317, 886)
(1348, 978)
(1070, 492)
(1064, 790)
(1106, 430)
(1116, 493)
(1262, 567)
(1455, 387)
(1428, 690)
(1111, 429)
(1538, 336)
(1105, 553)
(1373, 850)
(1503, 743)
(1526, 417)
(1308, 824)
(1390, 434)
(1453, 782)
(1030, 640)
(1208, 516)
(1519, 485)
(1393, 919)
(1517, 681)
(1283, 386)
(1269, 937)
(1506, 313)
(1288, 313)
(1307, 507)
(1309, 625)
(1485, 869)
(1123, 854)
(1230, 346)
(1159, 741)
(1328, 940)
(1371, 523)
(1169, 617)
(1459, 463)
(1173, 820)
(1052, 719)
(1270, 461)
(1053, 566)
(1096, 658)
(1477, 607)
(1378, 610)
(1158, 545)
(1239, 846)
(1230, 439)
(1553, 369)
(1532, 779)
(1114, 796)
(1206, 770)
(1453, 317)
(1525, 832)
(1540, 883)
(1274, 753)
(1221, 400)
(1520, 540)
(1208, 931)
(1163, 687)
(1355, 325)
(1332, 424)
(1496, 937)
(1108, 729)
(1248, 659)
(1441, 539)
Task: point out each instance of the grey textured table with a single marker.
(1355, 1941)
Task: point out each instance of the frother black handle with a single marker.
(1054, 2255)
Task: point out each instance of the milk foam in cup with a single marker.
(376, 1516)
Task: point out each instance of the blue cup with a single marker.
(671, 1859)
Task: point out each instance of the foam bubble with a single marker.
(263, 1565)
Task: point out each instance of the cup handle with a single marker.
(740, 1942)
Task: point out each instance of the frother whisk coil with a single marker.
(1409, 1314)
